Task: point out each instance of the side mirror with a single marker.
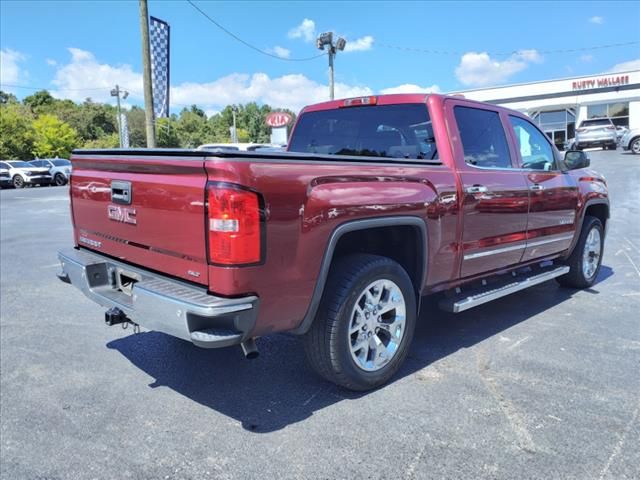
(576, 159)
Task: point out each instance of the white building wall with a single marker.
(575, 98)
(634, 114)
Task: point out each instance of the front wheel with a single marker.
(18, 181)
(585, 260)
(363, 330)
(60, 180)
(635, 146)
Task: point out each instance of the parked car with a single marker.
(631, 141)
(620, 131)
(378, 201)
(24, 174)
(59, 168)
(596, 132)
(5, 178)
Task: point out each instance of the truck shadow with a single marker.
(279, 389)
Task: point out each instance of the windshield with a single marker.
(402, 131)
(21, 165)
(596, 122)
(61, 163)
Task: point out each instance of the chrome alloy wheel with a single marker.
(591, 254)
(377, 325)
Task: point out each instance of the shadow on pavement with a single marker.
(279, 389)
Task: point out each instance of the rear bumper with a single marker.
(160, 303)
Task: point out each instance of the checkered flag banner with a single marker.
(159, 46)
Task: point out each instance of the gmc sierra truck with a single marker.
(377, 202)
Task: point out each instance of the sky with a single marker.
(80, 49)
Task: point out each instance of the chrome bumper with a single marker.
(159, 303)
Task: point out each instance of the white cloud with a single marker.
(280, 51)
(586, 58)
(289, 91)
(596, 19)
(306, 30)
(626, 66)
(479, 69)
(51, 62)
(10, 70)
(410, 88)
(359, 45)
(86, 77)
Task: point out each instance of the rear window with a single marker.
(401, 131)
(596, 122)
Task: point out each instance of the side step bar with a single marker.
(478, 296)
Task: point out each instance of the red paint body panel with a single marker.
(306, 199)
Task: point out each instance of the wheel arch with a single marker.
(370, 227)
(598, 208)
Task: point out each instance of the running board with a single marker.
(478, 296)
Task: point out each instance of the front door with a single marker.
(554, 194)
(495, 194)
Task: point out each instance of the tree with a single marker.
(53, 137)
(106, 141)
(39, 101)
(167, 133)
(16, 135)
(6, 97)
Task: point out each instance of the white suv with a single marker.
(24, 174)
(59, 168)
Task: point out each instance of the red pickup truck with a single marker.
(377, 202)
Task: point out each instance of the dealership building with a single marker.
(558, 106)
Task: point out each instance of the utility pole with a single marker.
(326, 39)
(234, 137)
(146, 78)
(116, 93)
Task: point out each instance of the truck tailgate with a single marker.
(145, 210)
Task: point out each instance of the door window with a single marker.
(535, 149)
(483, 139)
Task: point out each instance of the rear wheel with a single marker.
(586, 258)
(362, 332)
(635, 146)
(18, 181)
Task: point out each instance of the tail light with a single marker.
(360, 101)
(234, 225)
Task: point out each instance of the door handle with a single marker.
(536, 187)
(476, 189)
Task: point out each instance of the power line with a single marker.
(505, 54)
(53, 89)
(253, 47)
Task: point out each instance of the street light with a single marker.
(326, 39)
(116, 92)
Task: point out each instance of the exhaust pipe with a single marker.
(249, 349)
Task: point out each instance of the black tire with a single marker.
(59, 180)
(634, 146)
(18, 181)
(576, 277)
(327, 343)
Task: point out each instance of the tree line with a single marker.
(41, 126)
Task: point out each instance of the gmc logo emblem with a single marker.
(122, 214)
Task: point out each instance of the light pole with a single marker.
(116, 92)
(326, 39)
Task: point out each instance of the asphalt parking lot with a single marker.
(542, 384)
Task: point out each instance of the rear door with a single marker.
(554, 194)
(145, 209)
(495, 193)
